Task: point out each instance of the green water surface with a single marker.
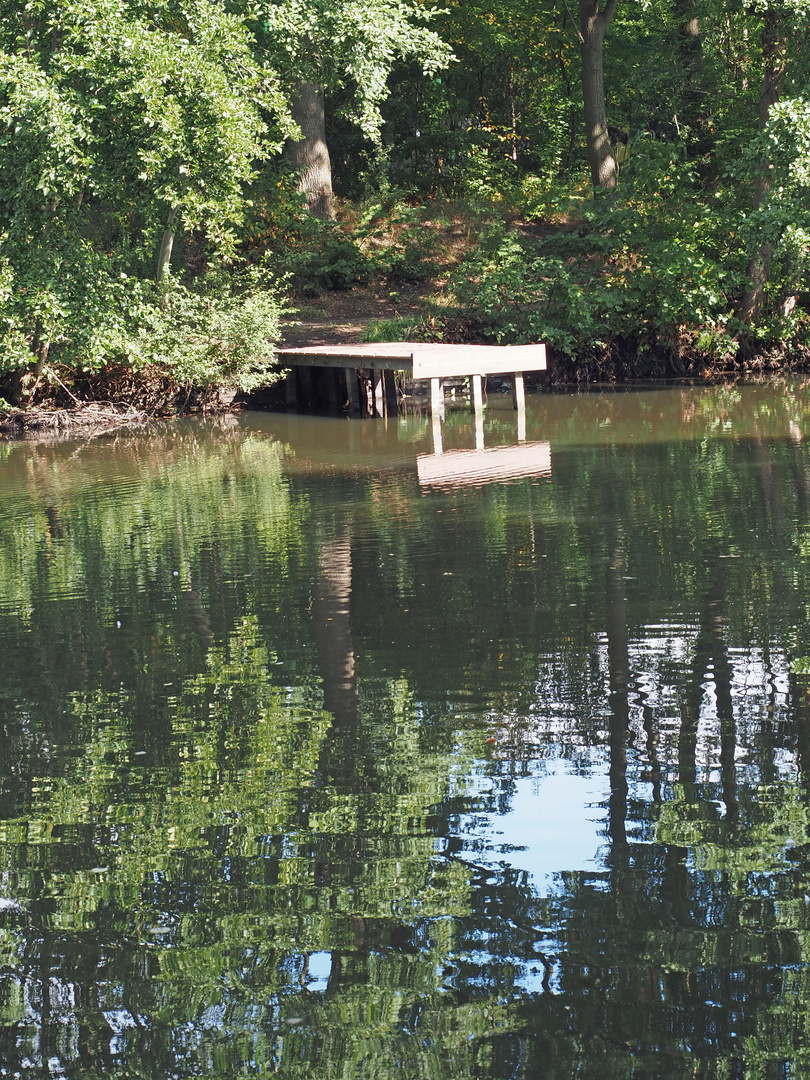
(310, 769)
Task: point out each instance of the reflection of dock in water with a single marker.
(455, 468)
(460, 467)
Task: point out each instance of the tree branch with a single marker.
(574, 23)
(609, 11)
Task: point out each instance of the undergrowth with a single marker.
(642, 284)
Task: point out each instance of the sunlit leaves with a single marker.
(110, 115)
(351, 43)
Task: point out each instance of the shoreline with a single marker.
(93, 418)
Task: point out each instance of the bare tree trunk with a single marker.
(774, 49)
(792, 278)
(594, 19)
(23, 383)
(41, 349)
(310, 154)
(511, 92)
(166, 245)
(690, 44)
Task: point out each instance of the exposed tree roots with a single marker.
(115, 397)
(86, 416)
(119, 397)
(619, 361)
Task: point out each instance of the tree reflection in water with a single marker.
(282, 738)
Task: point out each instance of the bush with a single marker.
(221, 333)
(217, 332)
(653, 268)
(398, 240)
(322, 257)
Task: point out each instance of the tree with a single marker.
(774, 56)
(779, 218)
(594, 19)
(503, 109)
(117, 121)
(323, 46)
(310, 154)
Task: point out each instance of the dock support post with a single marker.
(437, 398)
(477, 395)
(477, 401)
(390, 384)
(305, 383)
(518, 391)
(353, 393)
(291, 387)
(377, 393)
(519, 402)
(331, 376)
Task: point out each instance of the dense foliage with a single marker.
(118, 118)
(148, 223)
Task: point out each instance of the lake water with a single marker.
(324, 755)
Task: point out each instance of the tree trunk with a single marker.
(689, 42)
(166, 244)
(23, 383)
(774, 49)
(594, 19)
(690, 49)
(310, 154)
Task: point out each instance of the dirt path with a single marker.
(340, 318)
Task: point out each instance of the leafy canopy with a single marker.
(350, 43)
(111, 114)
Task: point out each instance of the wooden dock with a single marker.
(360, 378)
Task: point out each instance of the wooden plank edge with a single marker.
(479, 360)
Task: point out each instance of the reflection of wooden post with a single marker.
(479, 430)
(390, 384)
(437, 434)
(519, 402)
(477, 401)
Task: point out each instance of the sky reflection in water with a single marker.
(319, 762)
